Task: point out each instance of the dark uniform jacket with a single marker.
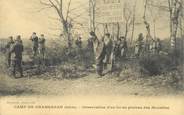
(35, 41)
(9, 45)
(17, 49)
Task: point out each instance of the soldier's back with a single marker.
(18, 49)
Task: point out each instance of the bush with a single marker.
(59, 54)
(156, 64)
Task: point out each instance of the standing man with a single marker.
(139, 45)
(78, 42)
(116, 54)
(17, 49)
(34, 40)
(108, 48)
(158, 46)
(41, 46)
(99, 49)
(8, 48)
(152, 46)
(123, 46)
(90, 52)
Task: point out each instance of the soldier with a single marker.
(158, 46)
(116, 54)
(34, 39)
(78, 42)
(17, 49)
(108, 49)
(153, 46)
(89, 53)
(41, 46)
(139, 45)
(123, 46)
(8, 48)
(99, 49)
(90, 43)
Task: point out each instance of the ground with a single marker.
(71, 79)
(88, 85)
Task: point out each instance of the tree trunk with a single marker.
(126, 30)
(67, 33)
(175, 9)
(118, 30)
(133, 27)
(154, 29)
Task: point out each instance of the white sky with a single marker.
(21, 17)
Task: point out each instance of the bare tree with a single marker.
(133, 22)
(147, 24)
(127, 14)
(57, 5)
(92, 8)
(175, 8)
(155, 14)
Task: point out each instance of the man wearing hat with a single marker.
(139, 45)
(108, 49)
(99, 50)
(78, 42)
(116, 54)
(41, 46)
(34, 40)
(123, 46)
(17, 49)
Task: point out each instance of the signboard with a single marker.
(109, 11)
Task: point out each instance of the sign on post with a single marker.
(109, 11)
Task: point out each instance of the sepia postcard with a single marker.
(91, 57)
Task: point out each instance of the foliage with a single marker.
(155, 64)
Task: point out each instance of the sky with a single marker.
(21, 17)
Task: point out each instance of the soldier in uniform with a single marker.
(153, 46)
(123, 46)
(99, 49)
(34, 39)
(108, 44)
(116, 54)
(41, 46)
(8, 48)
(17, 49)
(89, 52)
(78, 42)
(139, 45)
(158, 46)
(90, 43)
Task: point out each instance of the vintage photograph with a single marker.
(91, 47)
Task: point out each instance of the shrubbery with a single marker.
(157, 64)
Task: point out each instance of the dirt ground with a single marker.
(50, 82)
(88, 85)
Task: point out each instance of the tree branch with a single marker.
(45, 3)
(41, 9)
(68, 10)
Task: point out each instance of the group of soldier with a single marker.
(15, 48)
(105, 51)
(112, 51)
(152, 46)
